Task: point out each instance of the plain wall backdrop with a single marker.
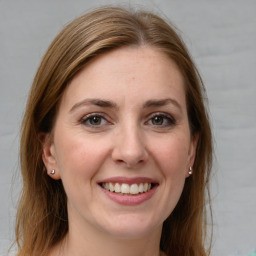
(221, 36)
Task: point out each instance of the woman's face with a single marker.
(121, 143)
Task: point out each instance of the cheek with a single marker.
(80, 157)
(172, 156)
(79, 160)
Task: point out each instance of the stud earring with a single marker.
(190, 170)
(52, 172)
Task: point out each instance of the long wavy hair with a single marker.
(42, 212)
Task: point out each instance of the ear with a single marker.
(49, 155)
(192, 152)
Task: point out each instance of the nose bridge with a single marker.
(130, 146)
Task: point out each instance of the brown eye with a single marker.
(157, 120)
(95, 120)
(161, 120)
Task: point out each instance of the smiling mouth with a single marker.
(126, 189)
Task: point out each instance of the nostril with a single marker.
(130, 164)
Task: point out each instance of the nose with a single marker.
(129, 149)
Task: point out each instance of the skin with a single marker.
(135, 137)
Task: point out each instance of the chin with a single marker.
(132, 227)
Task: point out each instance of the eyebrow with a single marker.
(162, 102)
(96, 102)
(110, 104)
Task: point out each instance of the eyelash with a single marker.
(166, 118)
(89, 118)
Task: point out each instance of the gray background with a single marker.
(221, 36)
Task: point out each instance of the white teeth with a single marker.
(145, 187)
(134, 189)
(124, 188)
(117, 188)
(141, 188)
(111, 187)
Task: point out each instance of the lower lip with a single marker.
(130, 199)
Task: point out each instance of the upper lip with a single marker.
(128, 180)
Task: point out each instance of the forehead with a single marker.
(125, 72)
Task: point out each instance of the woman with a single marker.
(116, 146)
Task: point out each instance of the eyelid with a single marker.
(90, 115)
(171, 119)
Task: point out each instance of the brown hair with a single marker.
(42, 212)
